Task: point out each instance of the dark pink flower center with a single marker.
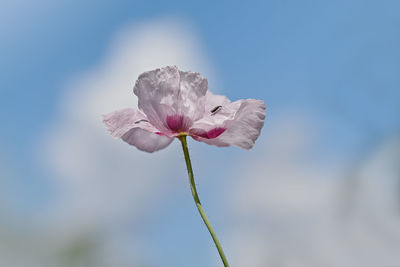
(210, 134)
(176, 123)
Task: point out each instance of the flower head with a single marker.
(174, 103)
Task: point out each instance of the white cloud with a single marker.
(289, 210)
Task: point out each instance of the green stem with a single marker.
(197, 201)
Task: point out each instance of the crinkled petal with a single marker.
(157, 91)
(218, 110)
(132, 126)
(146, 141)
(121, 121)
(241, 120)
(212, 101)
(170, 93)
(193, 88)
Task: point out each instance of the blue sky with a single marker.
(331, 57)
(335, 63)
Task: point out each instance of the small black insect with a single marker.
(142, 120)
(216, 109)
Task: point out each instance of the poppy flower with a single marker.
(173, 103)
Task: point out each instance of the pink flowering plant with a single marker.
(176, 104)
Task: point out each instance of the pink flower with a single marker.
(174, 103)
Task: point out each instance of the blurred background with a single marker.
(320, 188)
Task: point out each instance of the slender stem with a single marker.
(197, 201)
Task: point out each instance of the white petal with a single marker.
(193, 88)
(242, 121)
(121, 121)
(157, 91)
(132, 126)
(218, 111)
(212, 101)
(146, 141)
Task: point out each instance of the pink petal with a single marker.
(213, 101)
(157, 91)
(210, 134)
(133, 127)
(218, 111)
(242, 120)
(121, 121)
(146, 141)
(193, 88)
(168, 92)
